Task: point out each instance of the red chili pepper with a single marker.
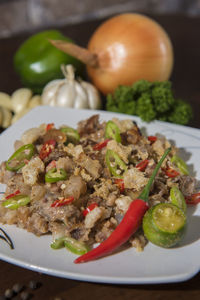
(49, 126)
(51, 165)
(193, 199)
(13, 194)
(62, 202)
(120, 183)
(129, 224)
(171, 172)
(142, 165)
(101, 145)
(89, 208)
(47, 148)
(152, 138)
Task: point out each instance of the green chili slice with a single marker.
(54, 175)
(71, 244)
(16, 201)
(115, 164)
(18, 159)
(177, 198)
(180, 164)
(112, 131)
(72, 135)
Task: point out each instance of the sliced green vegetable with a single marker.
(177, 198)
(54, 175)
(58, 243)
(164, 224)
(19, 158)
(112, 131)
(72, 135)
(180, 164)
(71, 244)
(115, 165)
(75, 246)
(16, 201)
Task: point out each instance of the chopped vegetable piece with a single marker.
(180, 164)
(13, 194)
(54, 175)
(115, 165)
(164, 224)
(142, 165)
(129, 224)
(72, 135)
(112, 131)
(101, 145)
(89, 208)
(62, 202)
(16, 201)
(193, 199)
(19, 158)
(120, 183)
(152, 138)
(49, 126)
(71, 244)
(177, 198)
(171, 172)
(47, 148)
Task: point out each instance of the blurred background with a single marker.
(21, 15)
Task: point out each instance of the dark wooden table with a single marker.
(185, 36)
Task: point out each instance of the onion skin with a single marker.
(129, 47)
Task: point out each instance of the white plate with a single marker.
(154, 264)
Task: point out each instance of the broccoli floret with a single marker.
(150, 101)
(145, 108)
(162, 96)
(181, 114)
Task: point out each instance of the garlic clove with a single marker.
(35, 101)
(20, 99)
(81, 100)
(5, 101)
(93, 95)
(20, 114)
(49, 93)
(66, 95)
(7, 117)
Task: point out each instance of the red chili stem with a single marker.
(128, 226)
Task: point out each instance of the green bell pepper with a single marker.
(37, 62)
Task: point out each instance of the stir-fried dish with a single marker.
(79, 184)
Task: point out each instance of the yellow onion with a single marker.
(124, 49)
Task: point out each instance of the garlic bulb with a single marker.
(69, 92)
